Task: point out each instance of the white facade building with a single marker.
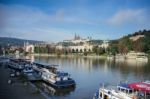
(105, 44)
(29, 48)
(81, 45)
(81, 48)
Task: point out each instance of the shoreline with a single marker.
(70, 55)
(17, 89)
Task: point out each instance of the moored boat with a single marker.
(143, 88)
(53, 76)
(15, 64)
(109, 93)
(138, 90)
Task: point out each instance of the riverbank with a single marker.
(17, 89)
(71, 55)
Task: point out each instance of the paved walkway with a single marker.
(16, 90)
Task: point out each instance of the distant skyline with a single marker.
(56, 20)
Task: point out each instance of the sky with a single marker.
(56, 20)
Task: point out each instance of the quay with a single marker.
(21, 74)
(18, 89)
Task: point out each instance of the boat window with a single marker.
(106, 97)
(130, 91)
(100, 94)
(122, 90)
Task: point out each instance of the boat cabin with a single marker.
(106, 94)
(123, 87)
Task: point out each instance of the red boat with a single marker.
(141, 86)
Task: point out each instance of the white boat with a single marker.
(104, 93)
(122, 92)
(15, 64)
(51, 75)
(18, 63)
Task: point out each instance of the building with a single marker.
(81, 48)
(105, 44)
(29, 48)
(78, 40)
(79, 44)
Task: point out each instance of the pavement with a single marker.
(17, 89)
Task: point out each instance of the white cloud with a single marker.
(129, 16)
(18, 13)
(32, 23)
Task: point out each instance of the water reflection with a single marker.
(50, 90)
(31, 57)
(94, 64)
(140, 70)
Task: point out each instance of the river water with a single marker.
(90, 73)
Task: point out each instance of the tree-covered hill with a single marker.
(138, 41)
(5, 41)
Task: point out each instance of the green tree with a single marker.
(125, 45)
(95, 49)
(58, 52)
(114, 50)
(138, 46)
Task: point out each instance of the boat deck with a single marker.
(33, 78)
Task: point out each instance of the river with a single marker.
(90, 73)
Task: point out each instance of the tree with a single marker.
(138, 46)
(100, 51)
(95, 48)
(58, 52)
(21, 50)
(36, 49)
(114, 49)
(125, 45)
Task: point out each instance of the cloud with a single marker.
(129, 16)
(33, 23)
(29, 14)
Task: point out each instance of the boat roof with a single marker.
(123, 85)
(141, 86)
(20, 60)
(59, 73)
(44, 65)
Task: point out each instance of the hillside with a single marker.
(138, 41)
(5, 41)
